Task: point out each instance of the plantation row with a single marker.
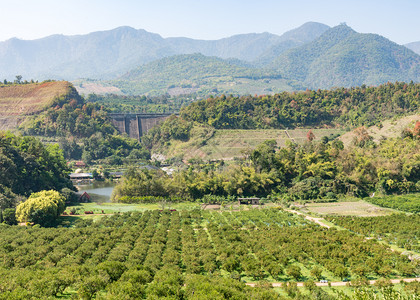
(399, 229)
(153, 254)
(408, 202)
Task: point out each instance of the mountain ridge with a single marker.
(344, 57)
(111, 53)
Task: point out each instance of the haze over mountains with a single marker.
(415, 46)
(136, 61)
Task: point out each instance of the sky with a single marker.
(206, 19)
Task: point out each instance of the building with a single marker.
(249, 201)
(80, 178)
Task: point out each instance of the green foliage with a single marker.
(9, 216)
(189, 74)
(408, 203)
(42, 208)
(346, 107)
(145, 104)
(69, 115)
(27, 166)
(295, 172)
(343, 57)
(158, 254)
(399, 229)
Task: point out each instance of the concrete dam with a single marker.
(136, 125)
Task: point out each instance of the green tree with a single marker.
(294, 271)
(316, 272)
(42, 208)
(9, 216)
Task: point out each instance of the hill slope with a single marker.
(196, 73)
(106, 54)
(292, 39)
(18, 101)
(415, 46)
(343, 57)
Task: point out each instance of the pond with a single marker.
(99, 191)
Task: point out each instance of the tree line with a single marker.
(314, 170)
(342, 106)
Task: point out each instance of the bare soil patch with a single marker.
(359, 208)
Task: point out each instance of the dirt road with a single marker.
(313, 219)
(340, 283)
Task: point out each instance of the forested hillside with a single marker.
(27, 166)
(343, 57)
(199, 74)
(55, 110)
(336, 107)
(111, 53)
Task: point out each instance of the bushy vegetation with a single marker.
(344, 106)
(295, 172)
(140, 104)
(399, 229)
(84, 131)
(182, 255)
(27, 166)
(69, 115)
(408, 203)
(41, 208)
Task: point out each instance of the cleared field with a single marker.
(229, 143)
(17, 101)
(359, 208)
(390, 128)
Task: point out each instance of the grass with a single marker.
(229, 143)
(389, 129)
(112, 208)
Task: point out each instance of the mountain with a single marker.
(415, 46)
(108, 54)
(343, 57)
(97, 55)
(196, 73)
(292, 39)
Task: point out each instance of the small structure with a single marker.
(249, 201)
(116, 175)
(84, 197)
(79, 164)
(81, 178)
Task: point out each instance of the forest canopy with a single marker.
(28, 166)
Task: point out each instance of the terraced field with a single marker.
(230, 143)
(18, 101)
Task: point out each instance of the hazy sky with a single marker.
(205, 19)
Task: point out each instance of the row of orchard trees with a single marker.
(158, 254)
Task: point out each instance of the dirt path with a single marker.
(339, 283)
(313, 219)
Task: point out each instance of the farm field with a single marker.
(409, 202)
(348, 208)
(397, 229)
(18, 101)
(184, 254)
(230, 143)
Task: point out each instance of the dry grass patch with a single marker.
(359, 208)
(18, 101)
(389, 129)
